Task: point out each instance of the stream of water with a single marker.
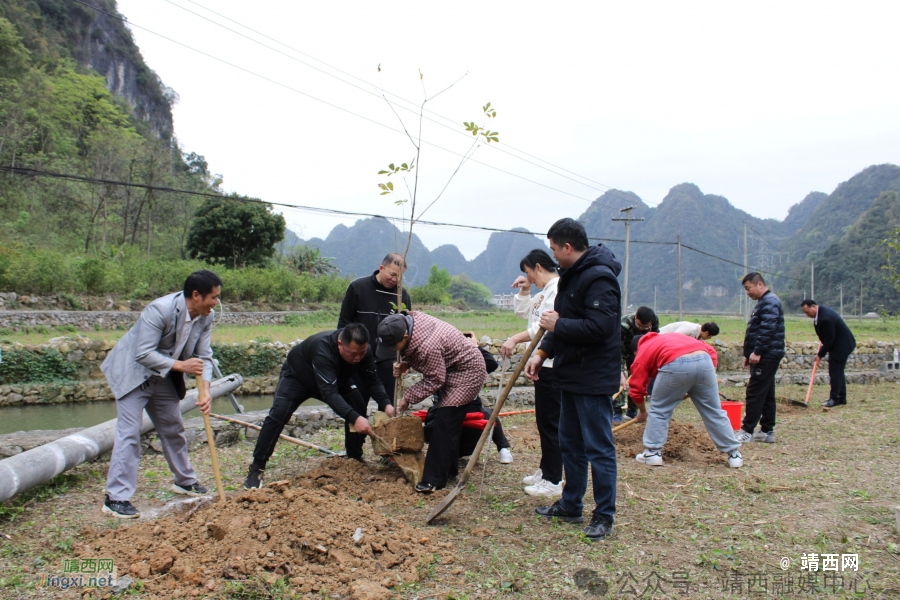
(87, 414)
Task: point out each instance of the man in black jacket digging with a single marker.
(323, 366)
(368, 300)
(763, 351)
(837, 342)
(583, 339)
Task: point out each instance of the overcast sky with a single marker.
(758, 102)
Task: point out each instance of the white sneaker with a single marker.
(534, 479)
(505, 456)
(735, 460)
(742, 436)
(544, 488)
(652, 458)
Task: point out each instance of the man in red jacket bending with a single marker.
(681, 365)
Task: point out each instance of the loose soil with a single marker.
(404, 434)
(320, 532)
(686, 443)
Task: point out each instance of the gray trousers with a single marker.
(161, 403)
(694, 375)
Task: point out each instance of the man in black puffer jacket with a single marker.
(584, 340)
(763, 351)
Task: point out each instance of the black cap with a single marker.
(390, 332)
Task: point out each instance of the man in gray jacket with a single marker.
(145, 372)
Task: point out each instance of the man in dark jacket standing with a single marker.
(583, 339)
(763, 351)
(837, 342)
(323, 367)
(368, 300)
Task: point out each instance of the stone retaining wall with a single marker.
(15, 320)
(87, 355)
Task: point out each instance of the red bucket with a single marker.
(734, 411)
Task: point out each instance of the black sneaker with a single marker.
(358, 459)
(254, 478)
(424, 488)
(598, 529)
(549, 512)
(194, 489)
(120, 509)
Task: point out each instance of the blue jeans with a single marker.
(585, 436)
(694, 375)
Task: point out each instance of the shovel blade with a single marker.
(443, 505)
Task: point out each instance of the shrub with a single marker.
(20, 366)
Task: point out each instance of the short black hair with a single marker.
(645, 314)
(569, 231)
(202, 281)
(808, 302)
(354, 333)
(753, 278)
(710, 328)
(537, 257)
(634, 343)
(393, 259)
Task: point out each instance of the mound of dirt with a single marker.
(309, 532)
(686, 443)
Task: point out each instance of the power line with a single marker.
(28, 172)
(731, 262)
(606, 188)
(340, 108)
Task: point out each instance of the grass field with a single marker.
(827, 487)
(493, 324)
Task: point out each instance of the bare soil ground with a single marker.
(828, 486)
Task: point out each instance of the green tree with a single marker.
(473, 294)
(435, 290)
(304, 259)
(235, 233)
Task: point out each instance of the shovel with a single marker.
(812, 380)
(282, 436)
(464, 478)
(211, 442)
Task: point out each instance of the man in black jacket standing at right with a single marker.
(763, 351)
(368, 300)
(583, 339)
(837, 342)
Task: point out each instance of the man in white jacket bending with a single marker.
(694, 330)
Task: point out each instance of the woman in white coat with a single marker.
(540, 271)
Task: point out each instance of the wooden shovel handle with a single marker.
(211, 442)
(476, 454)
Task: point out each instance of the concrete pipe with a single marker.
(39, 465)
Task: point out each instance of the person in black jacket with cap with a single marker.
(584, 340)
(763, 351)
(368, 300)
(837, 342)
(323, 366)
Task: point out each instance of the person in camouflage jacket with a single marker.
(644, 320)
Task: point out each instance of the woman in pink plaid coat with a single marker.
(451, 367)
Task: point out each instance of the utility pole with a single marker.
(812, 281)
(860, 300)
(654, 299)
(841, 287)
(627, 219)
(680, 289)
(746, 271)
